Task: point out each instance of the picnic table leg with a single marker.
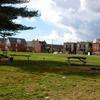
(83, 60)
(69, 63)
(11, 59)
(28, 59)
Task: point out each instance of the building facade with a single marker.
(30, 47)
(77, 48)
(2, 45)
(96, 47)
(84, 47)
(50, 48)
(16, 44)
(69, 47)
(19, 44)
(39, 46)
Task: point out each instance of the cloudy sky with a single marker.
(63, 20)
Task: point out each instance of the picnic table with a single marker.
(80, 58)
(4, 57)
(24, 55)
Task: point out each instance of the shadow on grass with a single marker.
(42, 66)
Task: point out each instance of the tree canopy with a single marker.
(10, 12)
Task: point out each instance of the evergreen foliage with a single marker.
(10, 12)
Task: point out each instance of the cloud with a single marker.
(80, 18)
(93, 5)
(70, 37)
(59, 38)
(53, 36)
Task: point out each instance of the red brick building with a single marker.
(96, 48)
(42, 46)
(39, 46)
(2, 46)
(16, 44)
(30, 47)
(19, 44)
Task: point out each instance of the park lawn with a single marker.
(48, 77)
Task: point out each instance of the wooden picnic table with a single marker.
(80, 58)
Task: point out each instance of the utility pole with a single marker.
(52, 46)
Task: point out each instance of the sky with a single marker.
(63, 21)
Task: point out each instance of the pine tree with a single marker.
(10, 12)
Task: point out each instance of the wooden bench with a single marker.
(6, 57)
(80, 58)
(27, 56)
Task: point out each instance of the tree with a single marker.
(10, 12)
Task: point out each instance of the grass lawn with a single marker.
(48, 77)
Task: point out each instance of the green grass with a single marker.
(48, 77)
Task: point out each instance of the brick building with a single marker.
(2, 46)
(30, 47)
(16, 44)
(96, 47)
(39, 46)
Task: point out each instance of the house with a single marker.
(2, 46)
(16, 44)
(69, 47)
(30, 47)
(39, 46)
(84, 47)
(50, 48)
(79, 47)
(96, 46)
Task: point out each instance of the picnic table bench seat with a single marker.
(80, 58)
